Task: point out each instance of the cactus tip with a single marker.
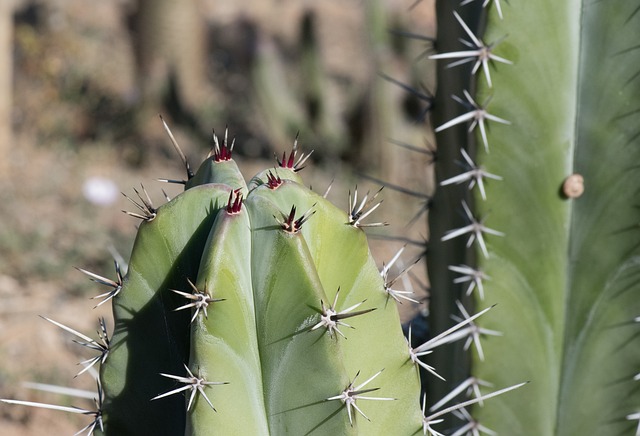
(291, 162)
(273, 180)
(291, 225)
(234, 205)
(224, 152)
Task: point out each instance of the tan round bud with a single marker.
(573, 186)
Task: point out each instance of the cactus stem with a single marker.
(196, 384)
(478, 115)
(481, 52)
(223, 153)
(178, 149)
(475, 229)
(201, 300)
(384, 273)
(291, 162)
(472, 332)
(116, 285)
(473, 276)
(471, 384)
(484, 5)
(331, 319)
(414, 356)
(146, 206)
(351, 394)
(358, 212)
(102, 346)
(291, 225)
(234, 206)
(473, 176)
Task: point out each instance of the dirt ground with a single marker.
(48, 226)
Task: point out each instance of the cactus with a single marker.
(239, 314)
(270, 320)
(270, 289)
(546, 100)
(233, 314)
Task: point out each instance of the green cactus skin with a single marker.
(274, 364)
(565, 276)
(149, 337)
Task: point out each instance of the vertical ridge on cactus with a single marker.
(565, 273)
(582, 295)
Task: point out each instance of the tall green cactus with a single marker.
(564, 79)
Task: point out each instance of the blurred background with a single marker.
(81, 86)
